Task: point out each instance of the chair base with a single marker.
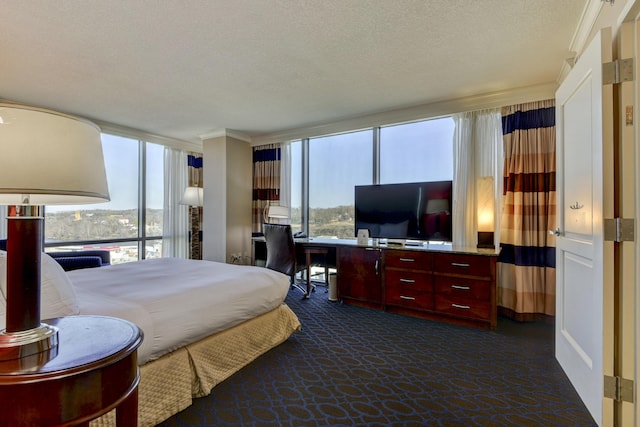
(303, 289)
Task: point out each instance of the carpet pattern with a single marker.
(353, 366)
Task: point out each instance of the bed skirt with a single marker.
(169, 384)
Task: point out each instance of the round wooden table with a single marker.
(93, 369)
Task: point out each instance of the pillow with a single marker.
(57, 296)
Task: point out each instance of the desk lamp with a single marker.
(278, 213)
(46, 158)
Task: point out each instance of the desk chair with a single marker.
(281, 254)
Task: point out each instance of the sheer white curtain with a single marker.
(175, 234)
(285, 175)
(3, 221)
(477, 152)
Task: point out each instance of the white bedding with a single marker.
(176, 301)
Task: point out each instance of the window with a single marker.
(336, 164)
(416, 152)
(409, 152)
(114, 225)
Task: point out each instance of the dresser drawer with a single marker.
(407, 297)
(463, 288)
(471, 308)
(468, 265)
(409, 279)
(414, 260)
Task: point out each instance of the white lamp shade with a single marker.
(280, 212)
(192, 196)
(49, 158)
(486, 202)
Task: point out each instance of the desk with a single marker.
(432, 280)
(93, 370)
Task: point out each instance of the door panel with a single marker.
(584, 117)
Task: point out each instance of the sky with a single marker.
(412, 152)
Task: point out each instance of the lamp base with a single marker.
(485, 240)
(20, 344)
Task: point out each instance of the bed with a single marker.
(202, 320)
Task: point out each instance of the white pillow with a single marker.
(57, 296)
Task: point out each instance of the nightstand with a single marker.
(93, 369)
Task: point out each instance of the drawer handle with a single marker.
(464, 288)
(409, 298)
(464, 307)
(407, 260)
(460, 264)
(407, 281)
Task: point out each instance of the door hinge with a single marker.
(619, 230)
(618, 389)
(618, 71)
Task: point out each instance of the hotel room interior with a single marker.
(193, 122)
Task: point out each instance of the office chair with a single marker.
(281, 254)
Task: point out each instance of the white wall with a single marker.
(228, 183)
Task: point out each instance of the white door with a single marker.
(584, 129)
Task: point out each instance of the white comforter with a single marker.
(176, 301)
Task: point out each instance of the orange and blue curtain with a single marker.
(266, 182)
(194, 170)
(526, 265)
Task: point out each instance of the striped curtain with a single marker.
(266, 182)
(194, 169)
(526, 266)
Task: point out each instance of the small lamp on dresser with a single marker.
(48, 158)
(486, 201)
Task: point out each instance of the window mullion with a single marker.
(304, 220)
(142, 198)
(375, 179)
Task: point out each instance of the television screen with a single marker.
(417, 211)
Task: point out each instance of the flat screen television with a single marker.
(411, 211)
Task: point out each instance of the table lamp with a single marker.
(485, 196)
(46, 158)
(194, 197)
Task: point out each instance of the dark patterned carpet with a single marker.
(352, 366)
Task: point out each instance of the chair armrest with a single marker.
(103, 254)
(69, 263)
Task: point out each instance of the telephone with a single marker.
(300, 235)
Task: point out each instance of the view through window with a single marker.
(409, 152)
(114, 225)
(337, 163)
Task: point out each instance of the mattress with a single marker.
(177, 301)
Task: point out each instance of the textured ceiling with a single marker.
(184, 68)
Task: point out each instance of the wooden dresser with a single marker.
(440, 283)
